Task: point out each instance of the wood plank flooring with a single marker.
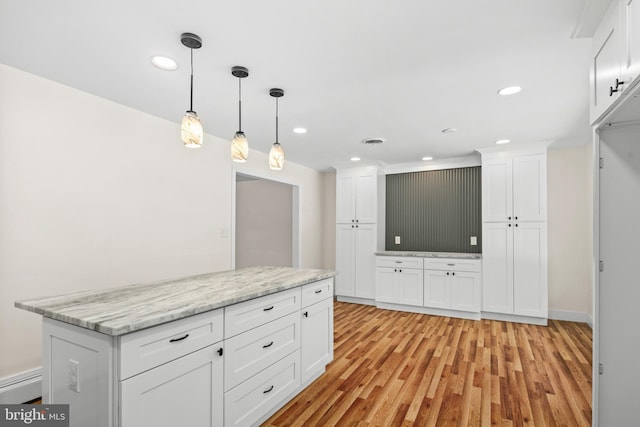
(402, 369)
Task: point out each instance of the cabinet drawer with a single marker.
(252, 351)
(143, 350)
(399, 261)
(317, 291)
(451, 264)
(250, 314)
(248, 403)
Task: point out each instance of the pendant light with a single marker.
(239, 144)
(192, 132)
(276, 155)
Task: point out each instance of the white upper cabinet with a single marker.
(631, 27)
(615, 59)
(514, 187)
(357, 196)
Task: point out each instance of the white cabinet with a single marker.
(355, 260)
(615, 63)
(186, 391)
(399, 280)
(317, 330)
(356, 196)
(452, 284)
(631, 32)
(514, 233)
(514, 187)
(359, 231)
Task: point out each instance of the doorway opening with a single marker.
(265, 225)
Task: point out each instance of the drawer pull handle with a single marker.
(268, 308)
(319, 291)
(268, 345)
(306, 314)
(398, 262)
(220, 351)
(451, 264)
(268, 390)
(179, 339)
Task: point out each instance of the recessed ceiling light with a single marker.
(427, 158)
(510, 90)
(503, 141)
(164, 63)
(449, 130)
(299, 130)
(355, 159)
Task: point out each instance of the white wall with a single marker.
(94, 194)
(570, 194)
(263, 223)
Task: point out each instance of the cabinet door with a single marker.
(317, 338)
(606, 61)
(465, 291)
(365, 261)
(345, 260)
(345, 199)
(631, 22)
(530, 187)
(496, 189)
(410, 287)
(530, 269)
(386, 288)
(497, 267)
(184, 392)
(366, 197)
(437, 292)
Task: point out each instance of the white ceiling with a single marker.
(351, 69)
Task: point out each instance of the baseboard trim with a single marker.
(22, 387)
(570, 316)
(354, 300)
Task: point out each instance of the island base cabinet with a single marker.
(261, 395)
(317, 338)
(184, 392)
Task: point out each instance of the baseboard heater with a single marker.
(21, 388)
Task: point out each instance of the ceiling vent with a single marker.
(372, 141)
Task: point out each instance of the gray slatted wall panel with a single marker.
(434, 211)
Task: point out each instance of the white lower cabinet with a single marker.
(399, 280)
(453, 284)
(317, 338)
(270, 359)
(186, 391)
(233, 366)
(248, 403)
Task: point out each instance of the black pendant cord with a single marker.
(191, 96)
(239, 105)
(277, 121)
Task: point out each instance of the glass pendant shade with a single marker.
(191, 130)
(276, 157)
(239, 148)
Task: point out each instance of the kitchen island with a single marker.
(225, 348)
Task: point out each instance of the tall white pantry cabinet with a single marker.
(360, 225)
(514, 234)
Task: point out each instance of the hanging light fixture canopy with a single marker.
(276, 155)
(239, 144)
(192, 132)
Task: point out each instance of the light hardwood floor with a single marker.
(396, 368)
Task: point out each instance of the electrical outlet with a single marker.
(397, 240)
(74, 375)
(474, 240)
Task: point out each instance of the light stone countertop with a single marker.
(455, 255)
(118, 311)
